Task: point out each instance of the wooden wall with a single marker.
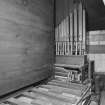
(26, 42)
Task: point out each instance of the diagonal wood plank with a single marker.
(54, 95)
(54, 101)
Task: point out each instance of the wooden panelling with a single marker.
(96, 42)
(96, 49)
(26, 37)
(96, 35)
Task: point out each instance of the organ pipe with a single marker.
(71, 33)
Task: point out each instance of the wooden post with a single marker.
(90, 70)
(97, 84)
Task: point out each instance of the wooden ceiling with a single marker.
(95, 14)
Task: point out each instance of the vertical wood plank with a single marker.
(26, 42)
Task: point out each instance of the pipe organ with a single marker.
(70, 34)
(70, 37)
